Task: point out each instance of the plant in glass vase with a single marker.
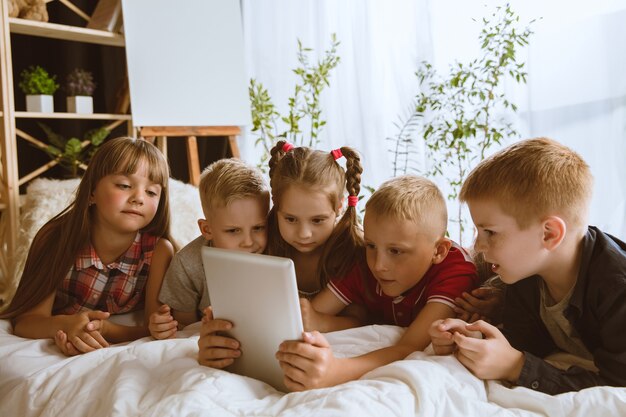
(79, 86)
(38, 86)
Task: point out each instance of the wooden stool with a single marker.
(190, 133)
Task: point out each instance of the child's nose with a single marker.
(137, 197)
(479, 244)
(304, 232)
(379, 263)
(247, 240)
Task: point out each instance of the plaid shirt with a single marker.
(117, 287)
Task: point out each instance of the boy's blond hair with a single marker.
(532, 179)
(414, 198)
(227, 180)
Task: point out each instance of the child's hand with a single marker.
(214, 350)
(68, 349)
(307, 364)
(442, 334)
(83, 333)
(162, 325)
(489, 358)
(483, 303)
(311, 319)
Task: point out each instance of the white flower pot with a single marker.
(80, 104)
(40, 103)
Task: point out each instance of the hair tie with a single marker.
(287, 147)
(336, 153)
(353, 200)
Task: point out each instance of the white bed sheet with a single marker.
(162, 378)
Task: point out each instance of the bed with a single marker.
(162, 378)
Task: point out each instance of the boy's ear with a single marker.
(554, 230)
(442, 247)
(205, 229)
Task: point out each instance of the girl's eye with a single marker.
(395, 251)
(152, 193)
(259, 228)
(370, 246)
(290, 219)
(123, 186)
(232, 231)
(489, 233)
(318, 221)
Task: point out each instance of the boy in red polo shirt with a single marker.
(412, 277)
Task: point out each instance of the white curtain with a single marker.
(382, 43)
(576, 90)
(576, 63)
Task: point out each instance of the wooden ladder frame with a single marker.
(190, 133)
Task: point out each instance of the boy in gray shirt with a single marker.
(235, 202)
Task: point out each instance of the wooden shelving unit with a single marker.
(10, 181)
(64, 32)
(76, 116)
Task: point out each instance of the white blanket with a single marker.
(162, 378)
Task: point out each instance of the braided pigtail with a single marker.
(276, 245)
(344, 246)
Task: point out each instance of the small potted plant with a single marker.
(39, 86)
(79, 86)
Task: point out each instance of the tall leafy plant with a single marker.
(303, 122)
(460, 115)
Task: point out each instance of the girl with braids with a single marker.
(308, 188)
(104, 254)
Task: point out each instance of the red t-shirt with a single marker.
(442, 283)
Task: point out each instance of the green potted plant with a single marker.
(79, 86)
(73, 153)
(39, 86)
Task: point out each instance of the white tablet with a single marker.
(259, 295)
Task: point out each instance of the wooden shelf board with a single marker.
(65, 32)
(61, 115)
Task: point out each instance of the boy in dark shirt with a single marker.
(564, 318)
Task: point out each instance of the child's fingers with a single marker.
(216, 364)
(462, 314)
(164, 334)
(315, 338)
(164, 309)
(465, 305)
(485, 292)
(99, 339)
(160, 318)
(471, 346)
(208, 313)
(447, 325)
(71, 349)
(214, 341)
(94, 325)
(60, 339)
(294, 375)
(164, 327)
(80, 345)
(213, 326)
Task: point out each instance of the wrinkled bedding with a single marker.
(162, 378)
